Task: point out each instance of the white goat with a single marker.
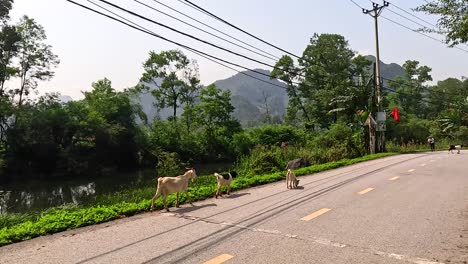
(225, 179)
(168, 185)
(291, 180)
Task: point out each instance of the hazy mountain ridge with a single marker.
(250, 96)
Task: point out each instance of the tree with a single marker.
(328, 70)
(411, 90)
(109, 124)
(288, 73)
(36, 59)
(9, 39)
(214, 115)
(175, 77)
(215, 109)
(449, 106)
(5, 7)
(453, 21)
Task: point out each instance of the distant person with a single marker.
(431, 142)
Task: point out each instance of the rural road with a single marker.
(402, 209)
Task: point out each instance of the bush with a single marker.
(169, 164)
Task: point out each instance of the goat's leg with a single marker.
(177, 200)
(217, 191)
(188, 197)
(165, 204)
(229, 189)
(154, 199)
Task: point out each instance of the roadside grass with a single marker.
(15, 228)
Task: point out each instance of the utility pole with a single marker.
(380, 115)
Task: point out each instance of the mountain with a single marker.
(388, 71)
(65, 98)
(251, 96)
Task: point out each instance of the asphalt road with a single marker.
(401, 209)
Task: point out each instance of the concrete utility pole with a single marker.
(375, 12)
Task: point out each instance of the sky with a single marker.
(91, 47)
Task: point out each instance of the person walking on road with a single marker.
(431, 142)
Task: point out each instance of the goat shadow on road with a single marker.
(234, 195)
(191, 208)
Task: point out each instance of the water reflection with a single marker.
(81, 192)
(21, 196)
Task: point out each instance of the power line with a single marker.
(206, 25)
(408, 95)
(421, 99)
(416, 31)
(425, 21)
(407, 18)
(144, 30)
(356, 4)
(207, 32)
(200, 9)
(186, 34)
(433, 29)
(422, 87)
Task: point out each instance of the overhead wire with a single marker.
(200, 9)
(422, 87)
(186, 34)
(416, 31)
(432, 29)
(401, 25)
(407, 18)
(198, 52)
(205, 31)
(425, 21)
(407, 95)
(213, 28)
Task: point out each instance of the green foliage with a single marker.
(174, 76)
(19, 228)
(452, 22)
(270, 135)
(96, 132)
(410, 90)
(338, 143)
(169, 164)
(36, 60)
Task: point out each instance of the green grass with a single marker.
(126, 203)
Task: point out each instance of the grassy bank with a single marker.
(23, 227)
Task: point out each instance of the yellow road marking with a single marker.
(219, 259)
(366, 190)
(424, 164)
(411, 170)
(315, 214)
(394, 178)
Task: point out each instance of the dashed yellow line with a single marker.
(411, 170)
(365, 191)
(394, 178)
(219, 259)
(315, 214)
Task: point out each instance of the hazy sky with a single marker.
(91, 47)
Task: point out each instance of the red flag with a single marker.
(395, 114)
